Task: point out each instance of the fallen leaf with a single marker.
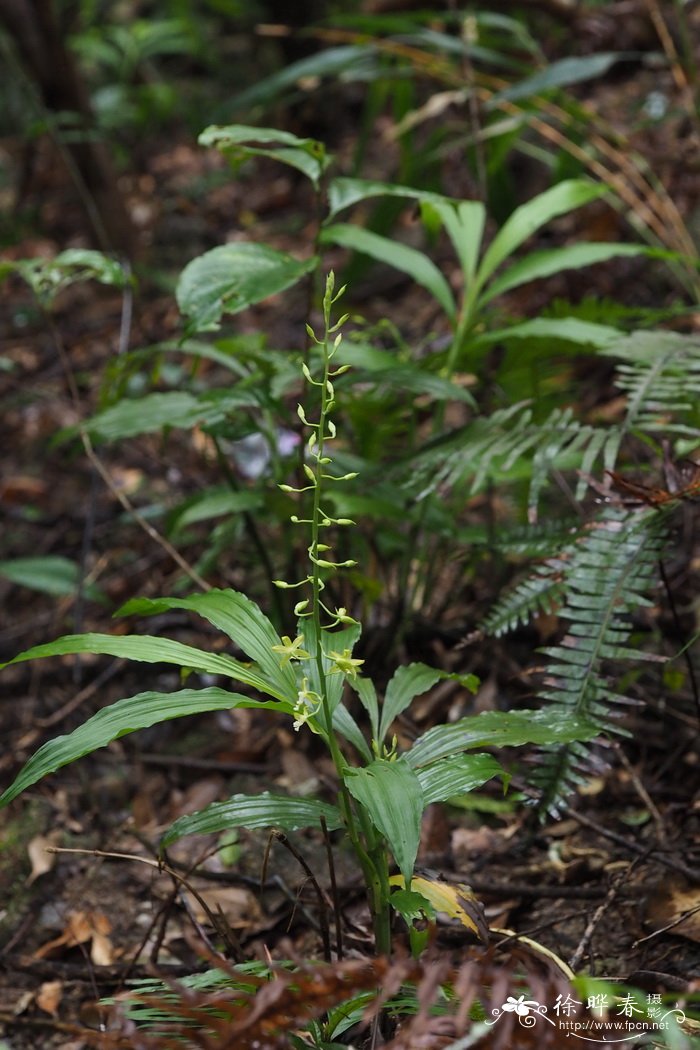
(677, 908)
(40, 860)
(80, 928)
(49, 997)
(238, 905)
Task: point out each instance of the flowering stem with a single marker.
(371, 853)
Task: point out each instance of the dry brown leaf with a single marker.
(677, 901)
(49, 997)
(239, 906)
(40, 860)
(80, 928)
(101, 950)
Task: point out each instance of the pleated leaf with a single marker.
(232, 277)
(457, 775)
(119, 719)
(151, 650)
(241, 619)
(498, 729)
(392, 795)
(254, 811)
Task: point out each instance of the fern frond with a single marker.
(541, 592)
(607, 577)
(660, 374)
(508, 443)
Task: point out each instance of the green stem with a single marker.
(372, 859)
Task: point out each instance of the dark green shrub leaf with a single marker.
(232, 277)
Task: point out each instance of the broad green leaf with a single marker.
(49, 573)
(198, 348)
(47, 277)
(408, 682)
(306, 155)
(243, 622)
(560, 74)
(364, 687)
(151, 650)
(569, 329)
(393, 797)
(349, 61)
(177, 408)
(343, 192)
(232, 277)
(213, 503)
(543, 264)
(401, 256)
(119, 719)
(464, 223)
(529, 217)
(457, 775)
(499, 729)
(254, 811)
(409, 904)
(345, 724)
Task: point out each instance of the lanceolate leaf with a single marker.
(560, 74)
(232, 277)
(464, 223)
(458, 775)
(306, 155)
(408, 682)
(392, 795)
(543, 264)
(571, 329)
(408, 260)
(242, 621)
(255, 811)
(345, 724)
(529, 217)
(49, 573)
(151, 650)
(343, 192)
(125, 716)
(175, 408)
(499, 729)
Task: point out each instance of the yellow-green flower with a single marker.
(308, 704)
(344, 663)
(291, 650)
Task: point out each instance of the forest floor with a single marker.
(611, 886)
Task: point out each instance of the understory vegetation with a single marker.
(393, 433)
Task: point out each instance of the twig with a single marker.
(82, 696)
(642, 851)
(159, 865)
(524, 889)
(597, 915)
(280, 837)
(334, 889)
(685, 651)
(642, 792)
(186, 762)
(669, 926)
